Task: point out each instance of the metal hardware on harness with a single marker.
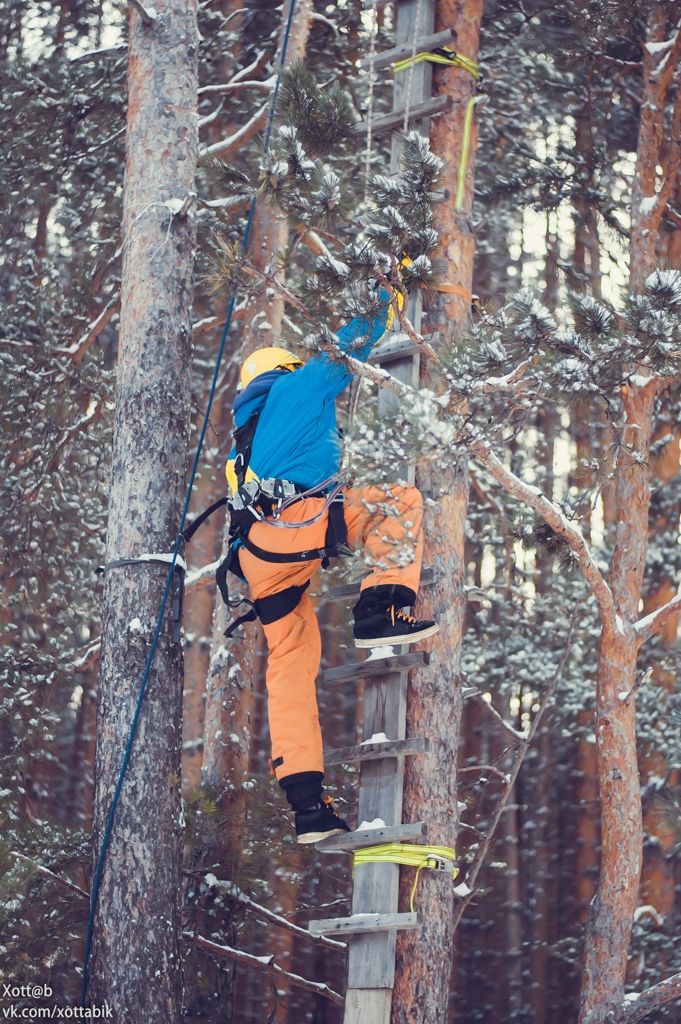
(245, 498)
(279, 490)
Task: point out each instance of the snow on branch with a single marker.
(239, 77)
(77, 350)
(517, 733)
(267, 965)
(638, 1006)
(42, 870)
(510, 779)
(233, 142)
(147, 14)
(257, 84)
(65, 439)
(236, 893)
(558, 522)
(653, 623)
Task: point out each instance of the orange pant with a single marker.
(388, 524)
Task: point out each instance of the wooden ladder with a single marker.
(372, 928)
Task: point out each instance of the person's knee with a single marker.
(408, 496)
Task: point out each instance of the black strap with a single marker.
(276, 606)
(189, 532)
(243, 442)
(336, 539)
(269, 609)
(311, 555)
(250, 616)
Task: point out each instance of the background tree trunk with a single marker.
(135, 961)
(610, 923)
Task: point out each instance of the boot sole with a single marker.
(390, 641)
(314, 837)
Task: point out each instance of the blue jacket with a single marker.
(297, 436)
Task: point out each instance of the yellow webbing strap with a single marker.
(439, 858)
(440, 55)
(465, 147)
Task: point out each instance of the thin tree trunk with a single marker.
(135, 964)
(233, 671)
(423, 959)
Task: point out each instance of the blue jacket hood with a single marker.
(254, 396)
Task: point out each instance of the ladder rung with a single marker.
(388, 57)
(399, 346)
(359, 923)
(427, 108)
(375, 667)
(352, 589)
(375, 751)
(371, 837)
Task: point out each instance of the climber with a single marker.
(286, 443)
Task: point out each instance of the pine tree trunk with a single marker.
(609, 928)
(423, 959)
(135, 965)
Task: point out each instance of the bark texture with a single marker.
(423, 960)
(135, 964)
(610, 921)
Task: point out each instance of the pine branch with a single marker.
(516, 733)
(41, 869)
(78, 348)
(472, 875)
(659, 995)
(653, 623)
(236, 893)
(559, 523)
(267, 965)
(232, 143)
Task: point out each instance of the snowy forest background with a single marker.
(555, 164)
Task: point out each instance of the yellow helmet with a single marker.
(264, 359)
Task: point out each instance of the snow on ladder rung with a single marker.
(376, 667)
(360, 924)
(367, 751)
(399, 346)
(360, 838)
(417, 111)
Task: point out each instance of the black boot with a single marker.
(380, 622)
(314, 814)
(319, 821)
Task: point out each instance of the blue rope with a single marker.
(108, 828)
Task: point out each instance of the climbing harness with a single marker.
(153, 646)
(436, 858)
(264, 501)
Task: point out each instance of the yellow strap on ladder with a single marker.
(438, 858)
(439, 55)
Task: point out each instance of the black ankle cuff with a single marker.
(302, 789)
(377, 598)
